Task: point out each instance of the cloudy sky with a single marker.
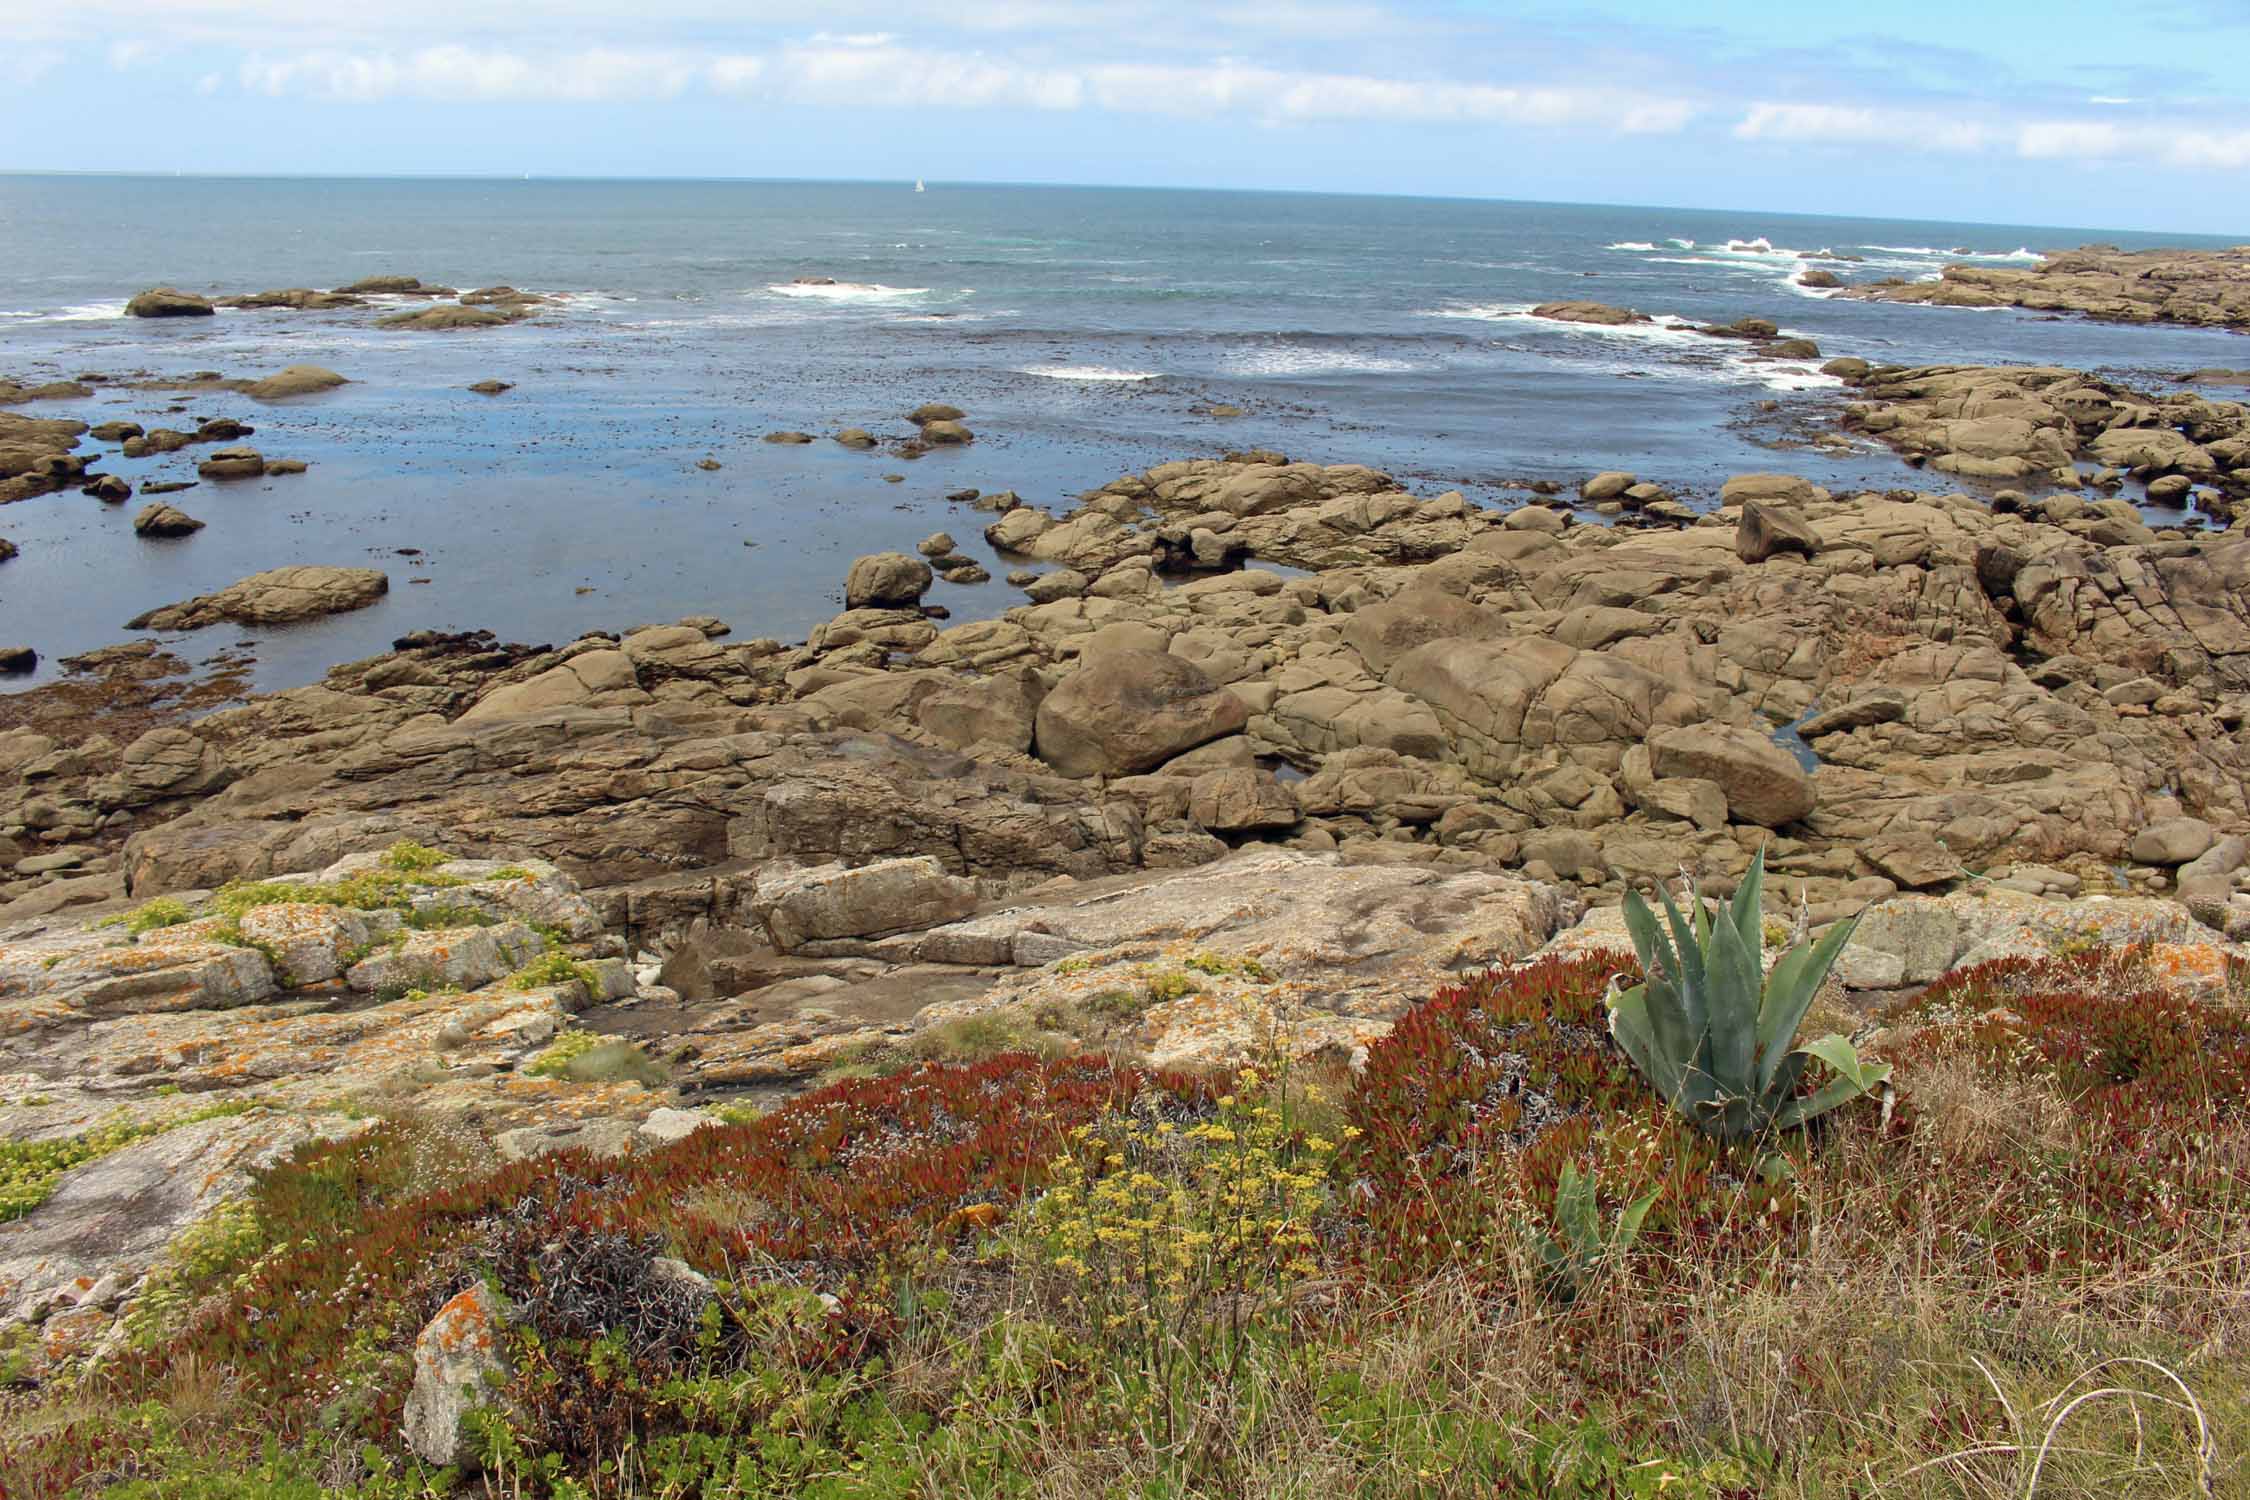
(2131, 113)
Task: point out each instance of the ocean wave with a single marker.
(84, 312)
(2020, 253)
(847, 291)
(1702, 357)
(1641, 245)
(1089, 373)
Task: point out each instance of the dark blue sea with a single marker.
(1086, 331)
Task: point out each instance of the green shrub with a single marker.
(560, 1053)
(164, 911)
(409, 858)
(554, 967)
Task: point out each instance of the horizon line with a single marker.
(656, 178)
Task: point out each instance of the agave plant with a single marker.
(1718, 1043)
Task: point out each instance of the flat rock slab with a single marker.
(114, 1215)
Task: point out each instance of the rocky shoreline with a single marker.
(1272, 750)
(2192, 288)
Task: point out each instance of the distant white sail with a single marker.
(918, 186)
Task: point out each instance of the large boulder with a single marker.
(274, 597)
(1763, 782)
(169, 302)
(875, 900)
(232, 463)
(1766, 530)
(2173, 841)
(886, 580)
(160, 519)
(1130, 710)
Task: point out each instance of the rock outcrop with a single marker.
(274, 597)
(2199, 288)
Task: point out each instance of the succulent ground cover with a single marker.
(2016, 1270)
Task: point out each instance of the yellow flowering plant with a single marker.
(1177, 1241)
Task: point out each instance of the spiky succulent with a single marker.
(1716, 1041)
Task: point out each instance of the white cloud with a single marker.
(130, 54)
(2225, 151)
(874, 71)
(2111, 99)
(465, 73)
(2076, 140)
(1837, 124)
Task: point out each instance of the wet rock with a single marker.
(946, 432)
(934, 411)
(856, 437)
(492, 387)
(788, 437)
(447, 319)
(111, 489)
(161, 520)
(16, 660)
(1588, 312)
(169, 302)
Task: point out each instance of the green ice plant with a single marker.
(1718, 1044)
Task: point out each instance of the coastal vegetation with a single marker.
(1493, 1260)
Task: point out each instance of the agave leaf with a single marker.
(1684, 938)
(1657, 958)
(1841, 1055)
(1853, 1078)
(1782, 1087)
(1811, 1106)
(1734, 995)
(1679, 1042)
(1789, 994)
(1748, 911)
(1628, 1022)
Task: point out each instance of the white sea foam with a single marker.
(2020, 253)
(1728, 361)
(1090, 373)
(847, 291)
(1290, 360)
(84, 312)
(1641, 245)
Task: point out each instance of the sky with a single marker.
(2134, 114)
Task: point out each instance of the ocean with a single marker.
(1085, 331)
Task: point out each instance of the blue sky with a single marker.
(2133, 114)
